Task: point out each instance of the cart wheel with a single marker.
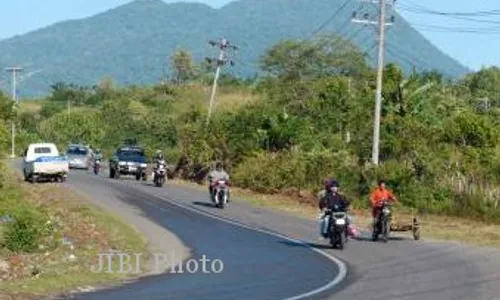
(416, 229)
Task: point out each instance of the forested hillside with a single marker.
(133, 43)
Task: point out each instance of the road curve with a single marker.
(401, 269)
(256, 265)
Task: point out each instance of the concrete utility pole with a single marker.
(381, 24)
(224, 45)
(14, 71)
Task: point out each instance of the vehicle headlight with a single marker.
(144, 165)
(122, 163)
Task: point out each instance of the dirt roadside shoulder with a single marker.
(82, 227)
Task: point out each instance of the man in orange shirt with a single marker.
(379, 195)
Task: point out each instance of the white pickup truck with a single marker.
(44, 161)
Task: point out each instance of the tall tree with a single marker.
(6, 107)
(484, 86)
(183, 66)
(304, 60)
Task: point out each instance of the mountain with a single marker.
(132, 42)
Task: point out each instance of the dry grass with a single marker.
(31, 106)
(90, 230)
(231, 101)
(227, 98)
(432, 227)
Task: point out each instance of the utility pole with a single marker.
(381, 24)
(14, 71)
(348, 133)
(222, 60)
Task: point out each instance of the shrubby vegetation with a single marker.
(310, 118)
(22, 226)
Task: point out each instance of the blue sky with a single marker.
(472, 49)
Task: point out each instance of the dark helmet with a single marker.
(218, 165)
(329, 183)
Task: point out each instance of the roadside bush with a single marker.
(270, 172)
(322, 164)
(24, 139)
(469, 129)
(51, 108)
(24, 232)
(295, 169)
(3, 177)
(81, 125)
(4, 138)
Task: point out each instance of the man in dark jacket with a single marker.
(331, 199)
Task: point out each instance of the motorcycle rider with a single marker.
(328, 199)
(377, 197)
(158, 158)
(215, 175)
(97, 155)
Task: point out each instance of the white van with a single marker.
(44, 161)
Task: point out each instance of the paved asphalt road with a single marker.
(256, 265)
(261, 266)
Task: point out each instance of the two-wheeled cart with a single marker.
(413, 226)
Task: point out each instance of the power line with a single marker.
(370, 49)
(485, 29)
(439, 28)
(455, 31)
(409, 55)
(324, 24)
(463, 16)
(453, 16)
(423, 9)
(401, 57)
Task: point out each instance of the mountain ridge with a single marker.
(132, 42)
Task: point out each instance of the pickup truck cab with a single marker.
(129, 160)
(44, 161)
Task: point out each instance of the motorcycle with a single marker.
(97, 166)
(160, 173)
(219, 194)
(382, 225)
(337, 231)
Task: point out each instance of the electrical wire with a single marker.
(409, 56)
(437, 28)
(458, 16)
(423, 9)
(324, 24)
